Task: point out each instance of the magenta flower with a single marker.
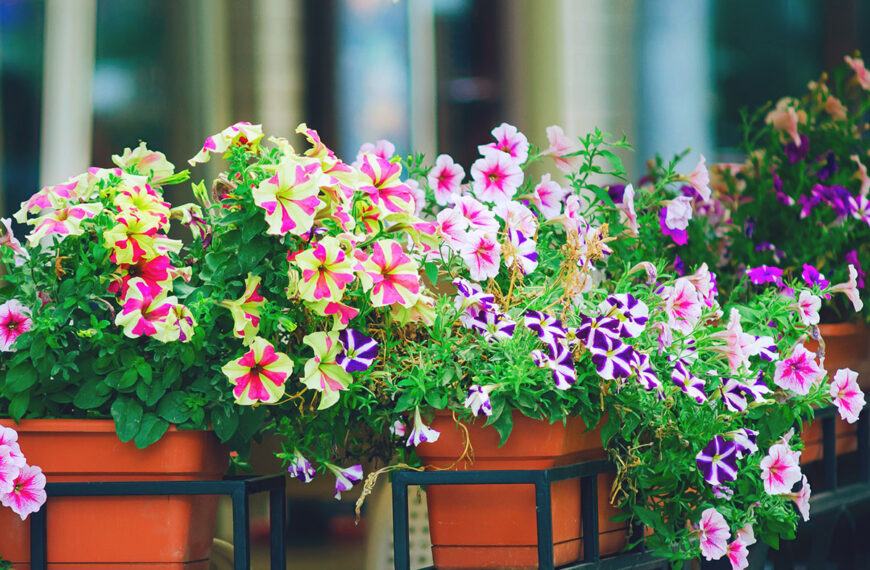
(421, 433)
(345, 479)
(9, 240)
(713, 534)
(699, 179)
(301, 468)
(847, 395)
(850, 289)
(682, 305)
(146, 312)
(680, 237)
(860, 207)
(802, 498)
(688, 382)
(9, 438)
(496, 177)
(780, 469)
(480, 218)
(359, 351)
(14, 320)
(28, 492)
(765, 274)
(260, 374)
(482, 255)
(561, 147)
(384, 186)
(738, 555)
(508, 141)
(478, 399)
(718, 461)
(548, 196)
(798, 372)
(10, 467)
(445, 179)
(392, 275)
(289, 197)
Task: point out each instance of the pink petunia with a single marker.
(738, 555)
(786, 119)
(679, 212)
(850, 289)
(382, 149)
(862, 75)
(780, 469)
(480, 218)
(626, 207)
(862, 176)
(847, 395)
(548, 196)
(509, 142)
(560, 148)
(699, 179)
(10, 467)
(808, 306)
(682, 305)
(452, 227)
(9, 438)
(802, 498)
(737, 343)
(496, 177)
(260, 374)
(392, 275)
(517, 217)
(482, 254)
(713, 534)
(445, 179)
(28, 492)
(14, 320)
(798, 372)
(145, 312)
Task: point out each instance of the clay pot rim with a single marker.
(63, 425)
(845, 328)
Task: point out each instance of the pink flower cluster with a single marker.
(22, 486)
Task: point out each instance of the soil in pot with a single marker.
(493, 526)
(112, 533)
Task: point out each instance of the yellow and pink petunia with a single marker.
(290, 197)
(144, 201)
(322, 372)
(145, 311)
(326, 270)
(246, 310)
(392, 275)
(242, 134)
(133, 238)
(260, 374)
(146, 162)
(384, 187)
(63, 222)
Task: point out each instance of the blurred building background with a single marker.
(82, 79)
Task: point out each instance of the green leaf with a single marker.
(603, 195)
(225, 422)
(151, 430)
(144, 370)
(173, 408)
(431, 273)
(615, 162)
(89, 396)
(18, 406)
(37, 348)
(151, 393)
(20, 378)
(127, 414)
(251, 252)
(610, 429)
(504, 425)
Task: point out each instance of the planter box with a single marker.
(112, 533)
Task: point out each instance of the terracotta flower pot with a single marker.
(493, 526)
(154, 533)
(847, 345)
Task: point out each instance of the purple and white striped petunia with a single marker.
(301, 468)
(765, 347)
(471, 299)
(612, 357)
(345, 478)
(757, 389)
(745, 439)
(492, 326)
(546, 327)
(646, 375)
(560, 360)
(631, 313)
(688, 382)
(718, 461)
(478, 399)
(421, 432)
(733, 394)
(359, 350)
(522, 250)
(592, 331)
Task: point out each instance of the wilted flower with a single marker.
(301, 468)
(346, 478)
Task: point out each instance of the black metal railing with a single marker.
(239, 489)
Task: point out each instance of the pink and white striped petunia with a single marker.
(7, 239)
(10, 467)
(798, 372)
(808, 306)
(548, 196)
(738, 555)
(145, 312)
(445, 179)
(862, 75)
(452, 227)
(495, 177)
(699, 179)
(63, 222)
(391, 274)
(9, 439)
(713, 534)
(384, 187)
(520, 250)
(341, 313)
(323, 372)
(289, 197)
(346, 478)
(28, 492)
(626, 208)
(802, 498)
(482, 255)
(241, 134)
(682, 305)
(382, 149)
(246, 310)
(326, 270)
(847, 395)
(560, 148)
(517, 217)
(421, 433)
(260, 375)
(737, 343)
(480, 218)
(679, 212)
(508, 141)
(850, 289)
(780, 469)
(14, 320)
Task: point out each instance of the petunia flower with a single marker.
(631, 313)
(798, 372)
(594, 331)
(704, 281)
(28, 492)
(718, 461)
(382, 149)
(471, 299)
(323, 372)
(14, 320)
(802, 498)
(10, 467)
(181, 322)
(289, 197)
(851, 257)
(850, 289)
(495, 177)
(259, 375)
(860, 207)
(612, 358)
(452, 227)
(765, 274)
(7, 239)
(521, 250)
(699, 179)
(847, 395)
(145, 312)
(808, 306)
(745, 440)
(9, 439)
(786, 119)
(862, 75)
(421, 433)
(682, 305)
(384, 186)
(359, 351)
(398, 429)
(493, 326)
(482, 255)
(862, 176)
(478, 399)
(134, 237)
(757, 389)
(780, 469)
(517, 217)
(346, 478)
(645, 373)
(548, 196)
(326, 270)
(391, 274)
(146, 162)
(480, 218)
(63, 222)
(571, 217)
(300, 468)
(508, 141)
(445, 179)
(560, 360)
(547, 328)
(713, 534)
(679, 212)
(679, 237)
(688, 382)
(738, 555)
(246, 309)
(422, 311)
(143, 200)
(733, 395)
(561, 147)
(241, 134)
(628, 213)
